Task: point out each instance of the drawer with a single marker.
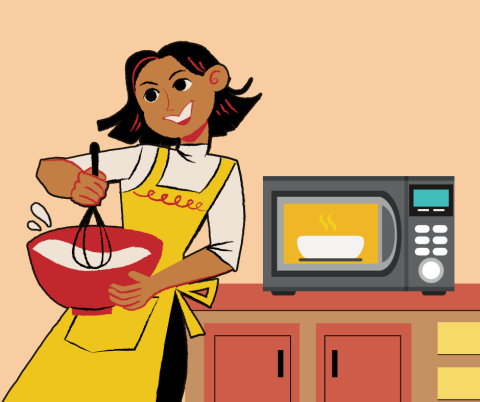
(458, 383)
(459, 338)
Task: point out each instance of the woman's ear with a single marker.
(218, 77)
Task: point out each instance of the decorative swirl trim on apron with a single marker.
(163, 198)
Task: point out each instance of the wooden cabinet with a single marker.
(343, 362)
(362, 365)
(459, 383)
(252, 367)
(363, 362)
(432, 370)
(252, 362)
(459, 338)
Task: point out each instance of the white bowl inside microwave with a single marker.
(330, 247)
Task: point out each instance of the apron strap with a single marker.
(190, 290)
(157, 169)
(213, 188)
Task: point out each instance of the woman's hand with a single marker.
(133, 297)
(89, 190)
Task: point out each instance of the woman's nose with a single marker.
(168, 101)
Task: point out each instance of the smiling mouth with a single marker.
(184, 117)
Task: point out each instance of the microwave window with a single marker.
(430, 198)
(330, 234)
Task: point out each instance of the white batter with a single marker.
(60, 252)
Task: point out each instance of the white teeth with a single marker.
(186, 113)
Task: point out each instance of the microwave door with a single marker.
(359, 232)
(389, 235)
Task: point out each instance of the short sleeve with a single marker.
(117, 164)
(226, 220)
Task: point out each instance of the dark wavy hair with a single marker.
(228, 112)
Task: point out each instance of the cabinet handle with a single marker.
(280, 363)
(334, 363)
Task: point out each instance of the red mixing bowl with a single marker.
(86, 290)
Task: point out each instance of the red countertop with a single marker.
(251, 297)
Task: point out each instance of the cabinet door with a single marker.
(252, 362)
(252, 368)
(362, 368)
(364, 362)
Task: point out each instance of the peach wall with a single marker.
(350, 88)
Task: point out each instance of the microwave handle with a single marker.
(389, 233)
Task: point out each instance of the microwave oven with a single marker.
(358, 234)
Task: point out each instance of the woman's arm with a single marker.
(72, 178)
(201, 265)
(226, 221)
(65, 179)
(58, 176)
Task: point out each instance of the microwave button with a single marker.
(422, 240)
(440, 229)
(422, 229)
(439, 251)
(440, 240)
(431, 270)
(422, 251)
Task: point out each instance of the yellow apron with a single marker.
(118, 357)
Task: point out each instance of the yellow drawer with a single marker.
(458, 383)
(459, 338)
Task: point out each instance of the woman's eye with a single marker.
(151, 95)
(182, 84)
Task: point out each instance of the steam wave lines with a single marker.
(329, 220)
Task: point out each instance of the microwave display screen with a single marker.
(430, 198)
(343, 233)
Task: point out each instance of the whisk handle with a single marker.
(94, 151)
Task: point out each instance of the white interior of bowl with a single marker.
(330, 246)
(60, 252)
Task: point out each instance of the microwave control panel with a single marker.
(431, 236)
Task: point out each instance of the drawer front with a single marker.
(459, 338)
(458, 383)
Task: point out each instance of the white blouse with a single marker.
(188, 168)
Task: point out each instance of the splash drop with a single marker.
(41, 213)
(32, 225)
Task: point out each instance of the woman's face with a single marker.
(176, 102)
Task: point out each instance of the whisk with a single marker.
(106, 249)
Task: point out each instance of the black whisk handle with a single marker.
(94, 151)
(106, 253)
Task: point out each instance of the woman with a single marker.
(178, 99)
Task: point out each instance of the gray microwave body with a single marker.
(399, 266)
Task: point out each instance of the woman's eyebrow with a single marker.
(148, 82)
(175, 73)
